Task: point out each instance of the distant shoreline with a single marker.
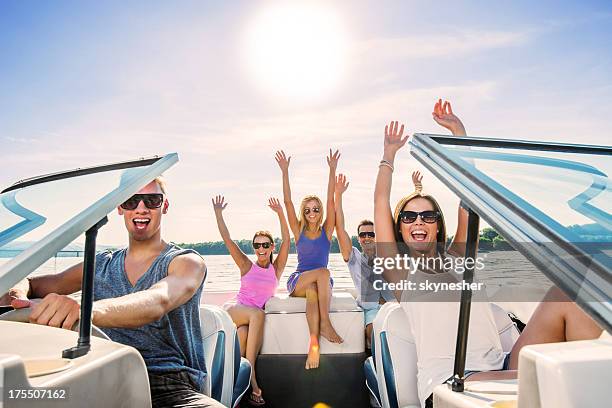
(489, 241)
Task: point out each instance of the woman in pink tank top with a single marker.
(258, 282)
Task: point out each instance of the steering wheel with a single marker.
(23, 315)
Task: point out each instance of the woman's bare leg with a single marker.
(555, 320)
(243, 334)
(254, 318)
(321, 278)
(309, 286)
(312, 317)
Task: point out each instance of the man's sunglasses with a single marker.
(314, 210)
(151, 201)
(258, 245)
(367, 234)
(428, 217)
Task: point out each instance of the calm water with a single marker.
(507, 268)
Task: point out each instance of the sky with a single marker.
(226, 84)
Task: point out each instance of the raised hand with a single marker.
(341, 183)
(282, 160)
(275, 205)
(393, 138)
(444, 116)
(219, 203)
(332, 159)
(416, 177)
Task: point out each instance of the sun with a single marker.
(296, 51)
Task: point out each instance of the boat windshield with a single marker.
(570, 192)
(41, 216)
(552, 202)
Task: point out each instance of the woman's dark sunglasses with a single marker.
(151, 201)
(257, 245)
(314, 209)
(367, 234)
(428, 217)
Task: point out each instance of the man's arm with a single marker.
(64, 283)
(344, 240)
(185, 275)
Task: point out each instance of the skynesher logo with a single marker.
(407, 263)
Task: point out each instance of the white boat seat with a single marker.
(393, 342)
(228, 375)
(283, 303)
(286, 329)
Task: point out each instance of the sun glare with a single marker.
(296, 50)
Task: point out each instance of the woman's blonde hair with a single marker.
(266, 234)
(301, 218)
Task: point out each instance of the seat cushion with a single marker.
(341, 302)
(286, 328)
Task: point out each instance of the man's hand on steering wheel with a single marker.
(53, 310)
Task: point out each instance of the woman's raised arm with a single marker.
(383, 217)
(386, 247)
(444, 116)
(242, 261)
(283, 162)
(283, 251)
(330, 221)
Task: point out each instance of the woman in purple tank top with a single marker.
(312, 236)
(258, 282)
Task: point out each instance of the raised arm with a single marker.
(330, 221)
(386, 246)
(383, 216)
(283, 162)
(344, 240)
(242, 261)
(444, 116)
(283, 251)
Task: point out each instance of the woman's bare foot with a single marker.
(255, 399)
(328, 331)
(312, 361)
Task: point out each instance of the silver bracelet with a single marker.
(384, 162)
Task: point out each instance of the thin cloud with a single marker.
(24, 140)
(433, 46)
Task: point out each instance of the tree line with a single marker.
(490, 240)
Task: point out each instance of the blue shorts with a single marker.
(369, 315)
(293, 280)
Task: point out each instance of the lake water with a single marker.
(503, 268)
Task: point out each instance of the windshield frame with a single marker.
(562, 261)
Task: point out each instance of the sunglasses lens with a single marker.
(130, 204)
(408, 217)
(429, 216)
(153, 200)
(316, 209)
